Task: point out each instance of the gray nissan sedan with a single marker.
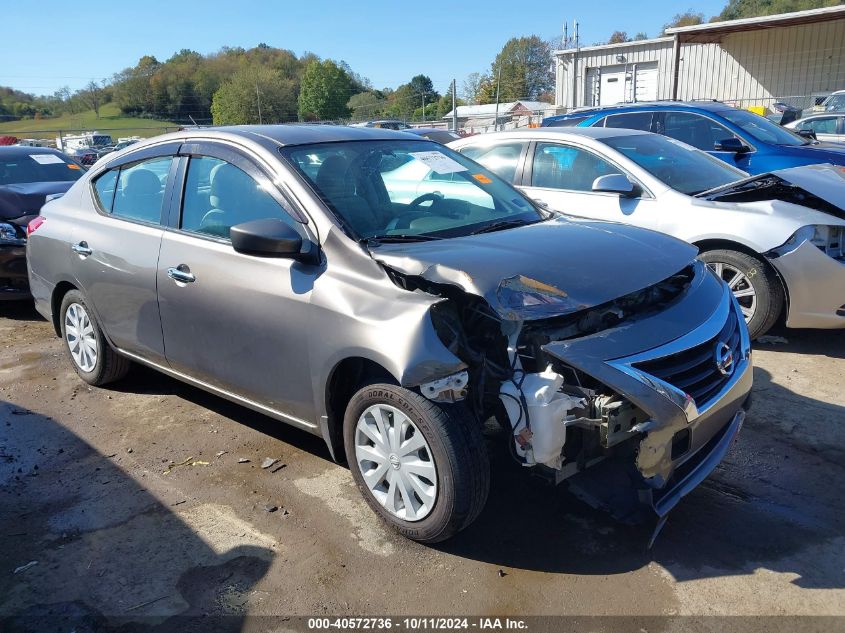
(288, 269)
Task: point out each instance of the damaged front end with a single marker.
(632, 401)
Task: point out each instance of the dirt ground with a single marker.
(137, 505)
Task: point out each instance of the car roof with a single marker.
(291, 134)
(710, 106)
(589, 132)
(24, 150)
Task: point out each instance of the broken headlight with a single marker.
(827, 239)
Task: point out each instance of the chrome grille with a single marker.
(694, 370)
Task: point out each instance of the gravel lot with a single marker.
(136, 504)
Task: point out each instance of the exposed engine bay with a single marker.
(559, 418)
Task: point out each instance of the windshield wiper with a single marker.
(500, 225)
(400, 238)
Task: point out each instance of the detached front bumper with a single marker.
(695, 389)
(816, 287)
(14, 283)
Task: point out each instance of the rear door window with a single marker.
(140, 190)
(565, 167)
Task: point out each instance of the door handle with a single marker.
(182, 276)
(81, 249)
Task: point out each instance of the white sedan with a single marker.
(776, 239)
(827, 126)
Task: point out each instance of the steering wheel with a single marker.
(433, 196)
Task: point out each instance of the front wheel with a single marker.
(754, 285)
(422, 467)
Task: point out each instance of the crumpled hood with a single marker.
(825, 181)
(26, 199)
(813, 188)
(545, 269)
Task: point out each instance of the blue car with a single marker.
(739, 137)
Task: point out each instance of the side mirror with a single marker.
(811, 134)
(732, 144)
(269, 237)
(616, 183)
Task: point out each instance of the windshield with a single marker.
(406, 190)
(37, 167)
(679, 166)
(762, 129)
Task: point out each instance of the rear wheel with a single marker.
(92, 357)
(754, 285)
(421, 466)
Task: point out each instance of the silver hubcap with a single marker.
(740, 286)
(80, 338)
(396, 462)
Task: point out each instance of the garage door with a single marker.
(593, 89)
(646, 82)
(612, 85)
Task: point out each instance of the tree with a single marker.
(421, 86)
(444, 105)
(254, 94)
(92, 95)
(526, 65)
(402, 102)
(324, 91)
(472, 87)
(737, 9)
(618, 37)
(687, 18)
(642, 35)
(367, 105)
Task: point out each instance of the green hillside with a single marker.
(110, 122)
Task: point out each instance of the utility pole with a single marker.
(423, 100)
(454, 107)
(258, 96)
(498, 84)
(575, 69)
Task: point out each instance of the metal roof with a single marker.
(713, 31)
(601, 47)
(489, 109)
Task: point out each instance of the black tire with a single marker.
(457, 449)
(109, 365)
(764, 281)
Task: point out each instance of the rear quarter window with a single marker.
(104, 188)
(628, 120)
(572, 122)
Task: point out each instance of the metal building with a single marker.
(792, 57)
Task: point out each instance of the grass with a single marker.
(111, 121)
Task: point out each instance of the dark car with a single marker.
(85, 156)
(276, 266)
(438, 135)
(28, 175)
(739, 137)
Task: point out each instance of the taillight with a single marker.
(34, 224)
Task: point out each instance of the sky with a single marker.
(49, 44)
